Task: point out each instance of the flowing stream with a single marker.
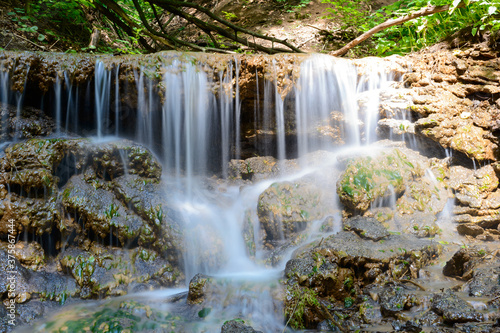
(191, 120)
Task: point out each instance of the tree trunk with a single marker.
(94, 38)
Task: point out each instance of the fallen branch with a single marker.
(413, 283)
(27, 40)
(426, 11)
(330, 318)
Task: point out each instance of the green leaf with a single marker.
(204, 312)
(454, 6)
(41, 37)
(474, 31)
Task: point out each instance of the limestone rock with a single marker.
(287, 208)
(367, 179)
(454, 309)
(110, 271)
(237, 326)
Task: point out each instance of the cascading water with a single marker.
(199, 133)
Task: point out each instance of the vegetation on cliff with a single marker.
(138, 26)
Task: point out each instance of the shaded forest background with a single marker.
(380, 27)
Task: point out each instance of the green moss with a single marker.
(367, 178)
(301, 299)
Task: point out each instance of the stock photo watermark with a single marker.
(11, 274)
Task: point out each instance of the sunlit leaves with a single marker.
(454, 6)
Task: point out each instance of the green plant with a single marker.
(481, 15)
(289, 7)
(112, 211)
(353, 13)
(230, 16)
(302, 298)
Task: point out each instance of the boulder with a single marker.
(111, 271)
(453, 309)
(368, 179)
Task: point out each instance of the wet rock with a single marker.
(28, 124)
(34, 285)
(150, 200)
(32, 163)
(410, 326)
(350, 250)
(34, 215)
(395, 299)
(287, 208)
(367, 179)
(109, 271)
(254, 168)
(368, 228)
(198, 287)
(332, 270)
(237, 326)
(463, 262)
(103, 213)
(370, 311)
(115, 159)
(453, 309)
(30, 255)
(485, 281)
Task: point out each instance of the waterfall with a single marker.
(189, 116)
(102, 90)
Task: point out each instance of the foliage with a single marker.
(353, 13)
(292, 5)
(424, 31)
(68, 15)
(302, 299)
(480, 15)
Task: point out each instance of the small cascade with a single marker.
(280, 118)
(58, 104)
(102, 102)
(117, 100)
(4, 100)
(186, 121)
(327, 86)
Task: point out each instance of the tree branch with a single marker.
(429, 10)
(174, 7)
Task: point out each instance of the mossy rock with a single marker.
(34, 215)
(286, 208)
(367, 179)
(150, 200)
(110, 271)
(33, 162)
(104, 214)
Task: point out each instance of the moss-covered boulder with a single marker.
(34, 215)
(150, 200)
(253, 168)
(112, 271)
(29, 254)
(28, 123)
(31, 284)
(287, 208)
(32, 163)
(331, 273)
(103, 213)
(367, 179)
